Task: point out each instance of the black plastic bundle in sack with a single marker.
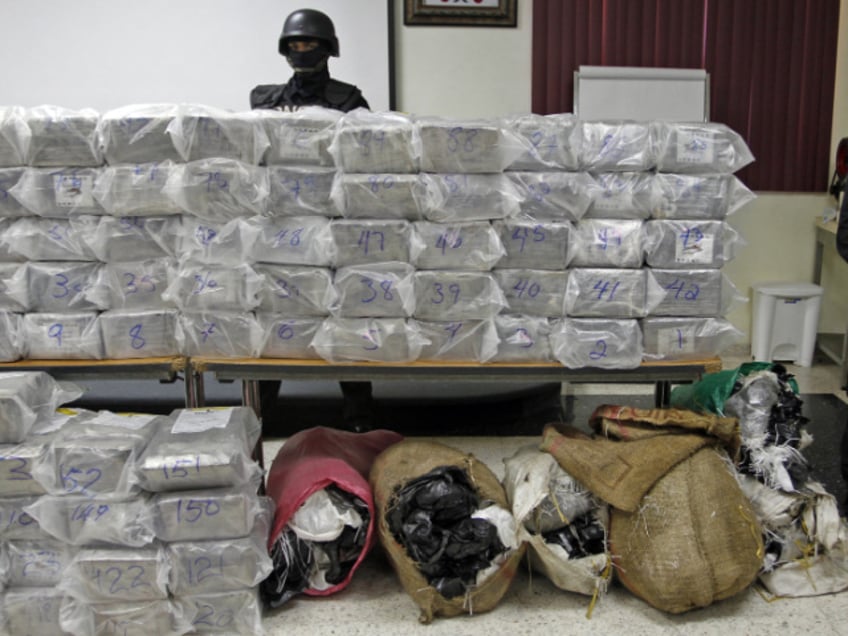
(583, 537)
(432, 520)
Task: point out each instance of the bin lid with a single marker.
(797, 290)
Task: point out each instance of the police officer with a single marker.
(308, 40)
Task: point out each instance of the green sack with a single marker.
(709, 394)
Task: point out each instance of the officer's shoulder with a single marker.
(265, 95)
(338, 92)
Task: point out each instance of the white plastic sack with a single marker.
(599, 343)
(474, 245)
(227, 334)
(368, 339)
(447, 295)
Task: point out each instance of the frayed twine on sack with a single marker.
(606, 575)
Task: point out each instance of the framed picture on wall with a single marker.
(484, 13)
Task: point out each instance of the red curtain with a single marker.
(772, 66)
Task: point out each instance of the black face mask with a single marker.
(308, 61)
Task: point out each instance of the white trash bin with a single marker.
(785, 322)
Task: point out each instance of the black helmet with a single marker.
(309, 23)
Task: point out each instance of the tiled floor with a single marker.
(374, 603)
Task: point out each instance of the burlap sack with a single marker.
(391, 471)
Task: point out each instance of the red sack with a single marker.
(319, 457)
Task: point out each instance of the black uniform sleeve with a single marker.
(266, 96)
(344, 97)
(842, 228)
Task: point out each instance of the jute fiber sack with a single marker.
(391, 471)
(682, 533)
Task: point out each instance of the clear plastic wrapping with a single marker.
(133, 285)
(139, 333)
(135, 190)
(16, 462)
(296, 240)
(15, 523)
(14, 136)
(465, 340)
(605, 344)
(294, 291)
(288, 337)
(37, 239)
(105, 575)
(33, 610)
(456, 198)
(681, 338)
(139, 618)
(82, 520)
(371, 142)
(367, 339)
(533, 244)
(11, 338)
(62, 137)
(204, 132)
(701, 147)
(379, 290)
(14, 287)
(10, 207)
(200, 286)
(57, 193)
(447, 295)
(551, 142)
(298, 191)
(608, 293)
(218, 189)
(699, 196)
(624, 195)
(608, 243)
(138, 134)
(203, 448)
(534, 292)
(522, 339)
(301, 137)
(62, 336)
(62, 286)
(6, 254)
(689, 244)
(617, 146)
(474, 245)
(564, 196)
(370, 241)
(218, 243)
(36, 562)
(128, 238)
(27, 398)
(235, 612)
(226, 334)
(378, 196)
(466, 146)
(694, 292)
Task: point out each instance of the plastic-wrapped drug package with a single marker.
(617, 146)
(136, 618)
(16, 465)
(62, 336)
(370, 241)
(18, 524)
(294, 291)
(204, 567)
(28, 398)
(701, 147)
(33, 610)
(457, 198)
(522, 339)
(296, 240)
(11, 343)
(378, 290)
(14, 136)
(36, 239)
(534, 292)
(36, 562)
(216, 242)
(128, 238)
(137, 134)
(62, 137)
(219, 334)
(288, 337)
(533, 244)
(302, 137)
(689, 244)
(135, 190)
(465, 340)
(6, 254)
(14, 289)
(699, 196)
(203, 448)
(58, 193)
(10, 207)
(681, 338)
(562, 196)
(300, 191)
(379, 196)
(83, 520)
(234, 612)
(372, 142)
(203, 132)
(474, 245)
(208, 514)
(367, 339)
(602, 292)
(624, 195)
(692, 292)
(605, 344)
(607, 243)
(136, 285)
(104, 575)
(466, 146)
(218, 189)
(202, 286)
(551, 142)
(446, 295)
(62, 286)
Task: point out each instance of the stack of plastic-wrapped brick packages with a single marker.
(128, 523)
(365, 236)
